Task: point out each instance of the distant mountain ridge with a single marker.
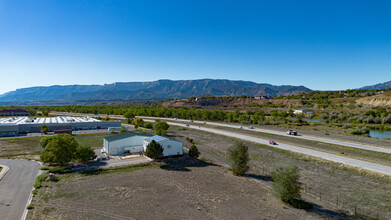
(378, 86)
(154, 90)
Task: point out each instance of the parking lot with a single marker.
(112, 162)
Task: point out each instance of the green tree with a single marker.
(194, 152)
(154, 150)
(129, 116)
(46, 112)
(84, 153)
(44, 141)
(32, 112)
(239, 156)
(161, 128)
(123, 130)
(138, 122)
(285, 183)
(60, 149)
(44, 129)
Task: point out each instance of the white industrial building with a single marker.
(12, 126)
(302, 111)
(130, 142)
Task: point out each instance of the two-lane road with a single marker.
(16, 186)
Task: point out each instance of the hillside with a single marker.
(381, 100)
(155, 90)
(378, 86)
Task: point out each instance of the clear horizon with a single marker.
(322, 45)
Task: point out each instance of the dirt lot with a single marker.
(370, 193)
(186, 190)
(29, 148)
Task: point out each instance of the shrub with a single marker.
(39, 180)
(30, 206)
(194, 152)
(285, 183)
(239, 156)
(148, 125)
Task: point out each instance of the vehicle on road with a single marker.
(240, 127)
(191, 121)
(291, 132)
(251, 127)
(187, 125)
(272, 143)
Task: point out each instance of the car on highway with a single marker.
(291, 132)
(272, 143)
(187, 125)
(251, 127)
(240, 127)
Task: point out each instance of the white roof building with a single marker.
(130, 142)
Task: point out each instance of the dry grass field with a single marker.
(369, 192)
(187, 189)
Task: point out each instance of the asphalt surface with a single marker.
(324, 140)
(326, 156)
(16, 187)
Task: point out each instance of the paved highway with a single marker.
(330, 157)
(16, 187)
(324, 140)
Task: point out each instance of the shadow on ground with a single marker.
(184, 163)
(83, 167)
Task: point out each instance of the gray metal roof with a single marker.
(125, 135)
(156, 138)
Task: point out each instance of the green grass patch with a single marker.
(39, 180)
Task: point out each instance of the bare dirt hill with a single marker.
(381, 100)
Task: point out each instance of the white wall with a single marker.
(171, 148)
(175, 147)
(118, 147)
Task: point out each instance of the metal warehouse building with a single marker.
(22, 125)
(130, 142)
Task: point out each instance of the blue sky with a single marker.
(323, 44)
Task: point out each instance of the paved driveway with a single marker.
(16, 186)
